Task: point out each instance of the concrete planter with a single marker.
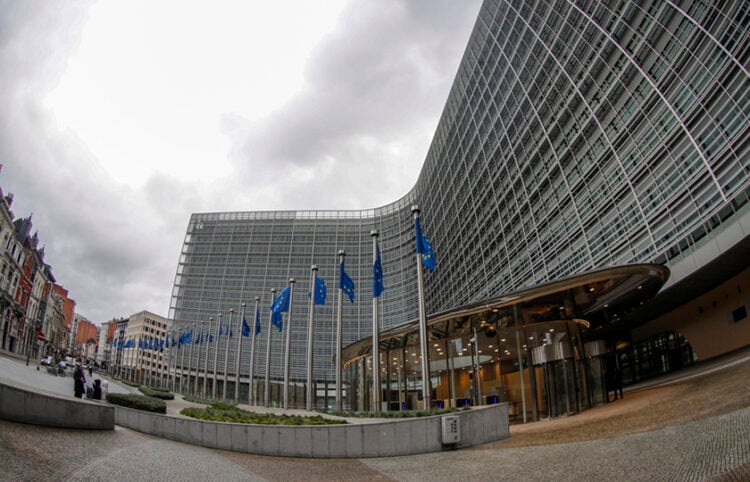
(379, 439)
(19, 405)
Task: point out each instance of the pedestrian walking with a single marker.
(618, 383)
(79, 381)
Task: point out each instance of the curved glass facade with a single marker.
(577, 135)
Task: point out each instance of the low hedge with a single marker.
(225, 412)
(138, 402)
(396, 414)
(153, 392)
(192, 399)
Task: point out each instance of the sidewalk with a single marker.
(695, 426)
(13, 370)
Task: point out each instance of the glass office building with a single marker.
(578, 136)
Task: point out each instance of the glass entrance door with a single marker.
(558, 391)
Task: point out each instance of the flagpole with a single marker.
(140, 374)
(198, 356)
(142, 363)
(147, 377)
(287, 344)
(426, 391)
(239, 354)
(310, 335)
(166, 354)
(216, 359)
(208, 352)
(136, 360)
(173, 363)
(132, 360)
(190, 362)
(123, 358)
(267, 394)
(376, 388)
(226, 355)
(182, 362)
(340, 305)
(138, 350)
(251, 389)
(165, 377)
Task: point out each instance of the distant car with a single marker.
(47, 361)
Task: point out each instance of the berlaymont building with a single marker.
(586, 198)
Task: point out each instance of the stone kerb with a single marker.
(381, 439)
(19, 405)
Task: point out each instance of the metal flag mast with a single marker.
(198, 356)
(239, 355)
(190, 361)
(426, 390)
(287, 344)
(174, 348)
(208, 352)
(216, 359)
(182, 361)
(310, 335)
(340, 306)
(228, 332)
(376, 388)
(267, 394)
(253, 334)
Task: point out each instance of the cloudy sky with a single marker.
(118, 119)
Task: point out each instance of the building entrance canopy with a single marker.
(597, 297)
(546, 325)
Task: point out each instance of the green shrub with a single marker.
(150, 392)
(224, 406)
(138, 402)
(225, 412)
(131, 384)
(202, 401)
(396, 414)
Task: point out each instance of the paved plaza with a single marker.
(691, 426)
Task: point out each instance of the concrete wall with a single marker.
(379, 439)
(18, 405)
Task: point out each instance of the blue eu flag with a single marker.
(320, 291)
(277, 320)
(423, 247)
(377, 275)
(280, 305)
(245, 328)
(257, 322)
(346, 283)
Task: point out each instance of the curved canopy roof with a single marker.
(598, 297)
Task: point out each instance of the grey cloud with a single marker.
(380, 72)
(374, 90)
(92, 237)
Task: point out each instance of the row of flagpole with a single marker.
(283, 304)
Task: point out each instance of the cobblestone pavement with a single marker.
(710, 440)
